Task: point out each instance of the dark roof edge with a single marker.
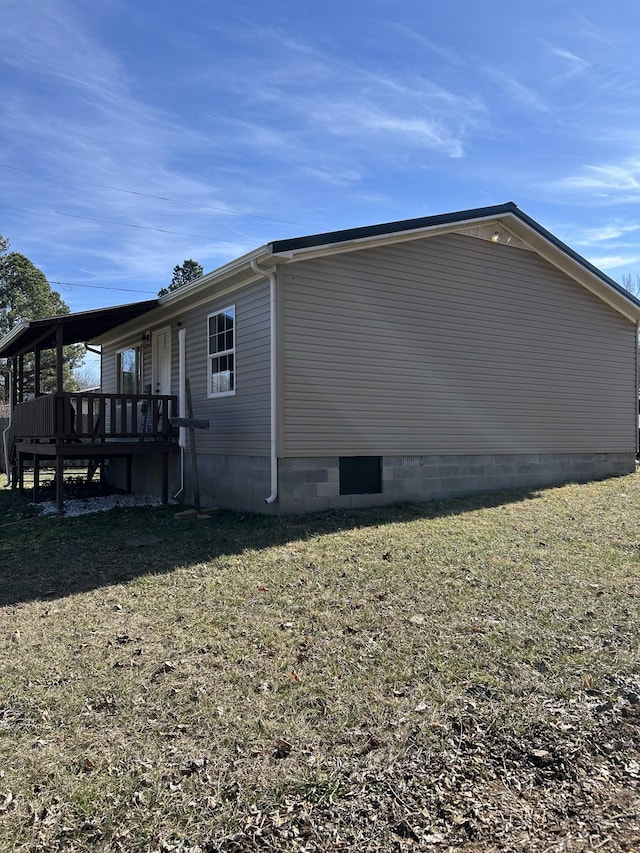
(136, 309)
(363, 232)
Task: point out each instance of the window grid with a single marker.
(221, 352)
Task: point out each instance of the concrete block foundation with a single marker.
(313, 484)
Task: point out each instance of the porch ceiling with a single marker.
(76, 328)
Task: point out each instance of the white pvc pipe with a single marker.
(5, 432)
(182, 396)
(182, 384)
(271, 275)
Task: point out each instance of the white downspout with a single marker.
(271, 275)
(182, 396)
(5, 432)
(637, 404)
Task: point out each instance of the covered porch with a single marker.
(61, 427)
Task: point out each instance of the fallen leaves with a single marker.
(283, 749)
(104, 703)
(165, 667)
(6, 800)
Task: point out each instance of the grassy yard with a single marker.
(463, 675)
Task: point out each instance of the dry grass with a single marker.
(248, 682)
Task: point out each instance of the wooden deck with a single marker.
(91, 426)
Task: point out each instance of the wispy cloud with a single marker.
(448, 55)
(519, 93)
(608, 178)
(358, 103)
(612, 231)
(612, 262)
(362, 122)
(573, 64)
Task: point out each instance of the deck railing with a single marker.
(86, 416)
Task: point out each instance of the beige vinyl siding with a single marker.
(239, 423)
(450, 345)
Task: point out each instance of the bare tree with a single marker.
(631, 284)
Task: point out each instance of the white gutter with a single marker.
(5, 432)
(271, 275)
(182, 396)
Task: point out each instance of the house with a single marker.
(411, 360)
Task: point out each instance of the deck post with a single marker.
(36, 478)
(60, 483)
(165, 478)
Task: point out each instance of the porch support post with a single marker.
(14, 383)
(59, 358)
(20, 382)
(36, 374)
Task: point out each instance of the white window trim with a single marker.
(216, 394)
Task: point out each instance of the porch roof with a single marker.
(76, 328)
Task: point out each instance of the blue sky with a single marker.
(135, 135)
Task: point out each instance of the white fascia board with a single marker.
(377, 240)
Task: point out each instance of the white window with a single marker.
(221, 329)
(129, 371)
